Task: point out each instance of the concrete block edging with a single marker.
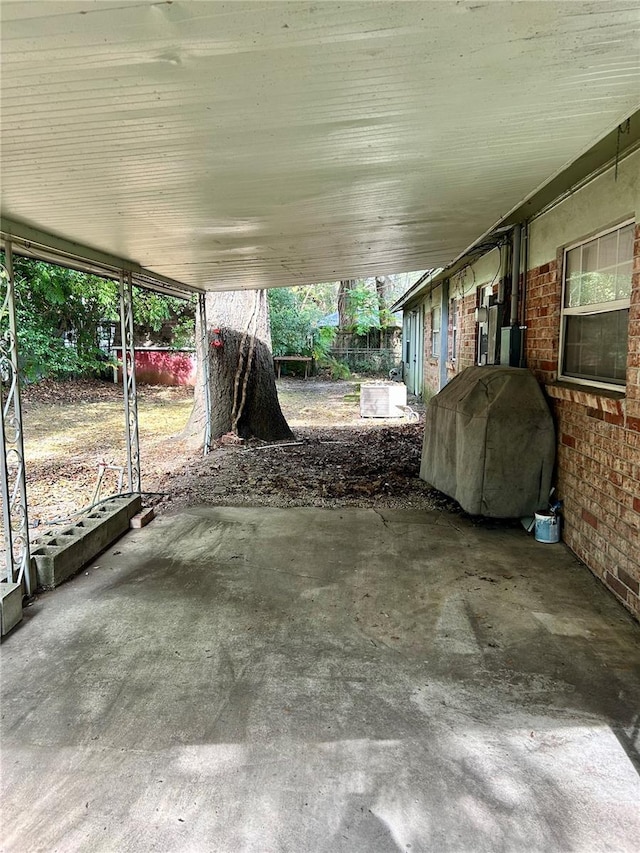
(59, 555)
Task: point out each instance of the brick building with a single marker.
(571, 314)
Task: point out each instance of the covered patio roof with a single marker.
(242, 145)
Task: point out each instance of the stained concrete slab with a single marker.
(323, 680)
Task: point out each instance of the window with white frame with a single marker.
(435, 331)
(595, 307)
(454, 328)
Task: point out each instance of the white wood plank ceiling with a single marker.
(260, 144)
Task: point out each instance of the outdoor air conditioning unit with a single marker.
(383, 400)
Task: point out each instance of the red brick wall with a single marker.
(431, 365)
(598, 442)
(452, 357)
(542, 319)
(467, 339)
(466, 344)
(633, 358)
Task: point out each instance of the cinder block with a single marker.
(10, 606)
(142, 518)
(59, 555)
(33, 577)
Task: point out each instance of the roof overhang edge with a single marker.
(31, 242)
(611, 149)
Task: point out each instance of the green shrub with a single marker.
(373, 364)
(294, 329)
(338, 369)
(59, 312)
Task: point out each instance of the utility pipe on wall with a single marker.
(504, 270)
(523, 293)
(515, 274)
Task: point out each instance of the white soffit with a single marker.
(260, 144)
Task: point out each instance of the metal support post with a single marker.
(205, 362)
(129, 382)
(13, 479)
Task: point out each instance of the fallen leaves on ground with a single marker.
(73, 425)
(330, 467)
(341, 459)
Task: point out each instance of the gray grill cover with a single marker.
(489, 442)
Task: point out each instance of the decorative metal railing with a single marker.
(204, 354)
(13, 485)
(129, 382)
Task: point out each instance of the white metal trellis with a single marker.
(206, 367)
(12, 465)
(129, 382)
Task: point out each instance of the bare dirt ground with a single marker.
(339, 459)
(72, 426)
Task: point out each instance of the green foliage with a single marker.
(296, 311)
(290, 328)
(322, 297)
(184, 329)
(386, 319)
(294, 316)
(337, 369)
(59, 312)
(363, 307)
(150, 309)
(153, 311)
(323, 338)
(376, 363)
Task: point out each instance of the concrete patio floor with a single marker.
(323, 680)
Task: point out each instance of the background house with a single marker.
(556, 288)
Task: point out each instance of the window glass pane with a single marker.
(573, 278)
(596, 346)
(623, 281)
(608, 251)
(596, 273)
(574, 287)
(574, 266)
(590, 256)
(599, 271)
(625, 243)
(597, 287)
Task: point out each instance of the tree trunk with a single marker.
(242, 383)
(346, 319)
(383, 286)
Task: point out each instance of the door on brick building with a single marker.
(413, 352)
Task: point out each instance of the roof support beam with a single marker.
(34, 243)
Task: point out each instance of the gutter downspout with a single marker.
(515, 275)
(444, 333)
(523, 296)
(505, 269)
